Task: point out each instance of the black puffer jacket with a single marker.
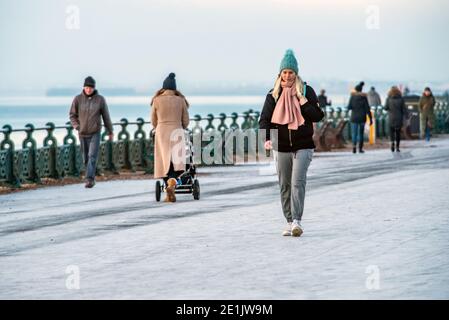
(358, 103)
(397, 110)
(292, 140)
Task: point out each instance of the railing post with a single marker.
(51, 142)
(7, 155)
(338, 113)
(332, 117)
(123, 138)
(30, 144)
(137, 147)
(246, 123)
(222, 127)
(256, 120)
(210, 125)
(196, 138)
(70, 142)
(197, 129)
(234, 125)
(348, 129)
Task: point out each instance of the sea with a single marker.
(39, 110)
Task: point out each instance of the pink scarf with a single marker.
(288, 108)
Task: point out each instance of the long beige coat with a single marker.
(169, 113)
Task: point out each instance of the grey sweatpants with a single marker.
(292, 172)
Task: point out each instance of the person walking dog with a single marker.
(291, 107)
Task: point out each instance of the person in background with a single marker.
(358, 104)
(374, 98)
(322, 100)
(397, 111)
(427, 115)
(86, 112)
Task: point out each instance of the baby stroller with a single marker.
(186, 181)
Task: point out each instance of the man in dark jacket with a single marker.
(322, 100)
(358, 104)
(85, 116)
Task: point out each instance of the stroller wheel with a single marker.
(196, 190)
(158, 190)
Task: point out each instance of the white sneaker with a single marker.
(296, 228)
(288, 230)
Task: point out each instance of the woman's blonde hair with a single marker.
(299, 84)
(177, 93)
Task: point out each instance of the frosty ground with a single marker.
(376, 227)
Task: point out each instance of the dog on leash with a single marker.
(170, 190)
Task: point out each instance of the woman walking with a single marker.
(169, 117)
(358, 103)
(291, 107)
(397, 111)
(427, 114)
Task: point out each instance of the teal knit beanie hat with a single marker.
(289, 61)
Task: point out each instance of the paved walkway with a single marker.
(376, 226)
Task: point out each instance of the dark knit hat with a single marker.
(89, 82)
(359, 87)
(170, 82)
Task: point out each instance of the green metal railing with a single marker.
(30, 164)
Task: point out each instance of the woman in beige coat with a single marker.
(169, 117)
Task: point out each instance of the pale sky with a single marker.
(136, 43)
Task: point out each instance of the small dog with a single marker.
(170, 190)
